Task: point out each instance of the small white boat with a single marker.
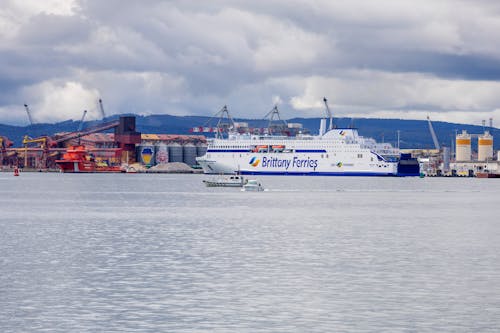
(253, 185)
(225, 181)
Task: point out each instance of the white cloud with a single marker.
(60, 101)
(387, 57)
(409, 95)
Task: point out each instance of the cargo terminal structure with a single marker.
(470, 155)
(124, 146)
(468, 163)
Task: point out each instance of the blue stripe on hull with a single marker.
(310, 151)
(227, 150)
(279, 173)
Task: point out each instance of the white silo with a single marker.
(463, 148)
(485, 147)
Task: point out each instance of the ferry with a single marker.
(333, 152)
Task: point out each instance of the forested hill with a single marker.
(413, 133)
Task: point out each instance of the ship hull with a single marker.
(340, 152)
(76, 166)
(297, 165)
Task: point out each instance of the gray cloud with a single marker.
(383, 58)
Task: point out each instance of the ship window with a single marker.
(360, 155)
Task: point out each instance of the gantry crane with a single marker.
(271, 115)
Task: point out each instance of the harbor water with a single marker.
(164, 253)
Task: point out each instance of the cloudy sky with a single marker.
(386, 58)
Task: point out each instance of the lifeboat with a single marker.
(260, 149)
(278, 147)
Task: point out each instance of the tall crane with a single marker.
(29, 113)
(81, 120)
(433, 134)
(101, 108)
(328, 113)
(81, 124)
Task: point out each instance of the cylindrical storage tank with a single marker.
(161, 155)
(446, 159)
(146, 154)
(175, 152)
(463, 152)
(189, 156)
(485, 147)
(201, 149)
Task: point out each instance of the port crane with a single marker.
(101, 108)
(28, 112)
(46, 142)
(81, 121)
(225, 123)
(328, 113)
(276, 126)
(433, 134)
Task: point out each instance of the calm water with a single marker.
(162, 253)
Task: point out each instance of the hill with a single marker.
(413, 133)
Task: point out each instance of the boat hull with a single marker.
(487, 175)
(76, 166)
(229, 181)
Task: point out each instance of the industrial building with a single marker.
(469, 164)
(124, 146)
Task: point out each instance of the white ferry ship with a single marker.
(334, 152)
